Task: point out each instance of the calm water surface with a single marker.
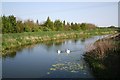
(43, 61)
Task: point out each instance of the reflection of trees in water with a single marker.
(11, 55)
(83, 39)
(59, 42)
(49, 44)
(75, 40)
(55, 42)
(12, 52)
(30, 47)
(91, 38)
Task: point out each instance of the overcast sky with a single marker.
(99, 13)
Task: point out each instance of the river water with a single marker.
(43, 61)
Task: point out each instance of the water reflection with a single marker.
(42, 60)
(11, 55)
(48, 44)
(65, 51)
(83, 39)
(54, 42)
(75, 40)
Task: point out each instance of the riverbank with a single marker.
(17, 40)
(104, 58)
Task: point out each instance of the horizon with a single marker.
(101, 14)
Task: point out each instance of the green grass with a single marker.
(16, 40)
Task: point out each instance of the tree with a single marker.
(9, 24)
(4, 24)
(30, 26)
(12, 23)
(75, 26)
(20, 26)
(37, 22)
(87, 26)
(58, 25)
(0, 24)
(111, 26)
(67, 27)
(64, 23)
(90, 26)
(83, 26)
(49, 24)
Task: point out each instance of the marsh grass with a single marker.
(100, 48)
(104, 57)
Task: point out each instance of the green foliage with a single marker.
(64, 23)
(29, 26)
(49, 24)
(20, 26)
(11, 25)
(58, 25)
(0, 24)
(75, 26)
(111, 26)
(83, 26)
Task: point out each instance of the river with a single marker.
(43, 61)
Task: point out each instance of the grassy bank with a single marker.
(17, 40)
(104, 58)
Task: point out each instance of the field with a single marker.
(17, 40)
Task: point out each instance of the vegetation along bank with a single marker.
(104, 58)
(17, 33)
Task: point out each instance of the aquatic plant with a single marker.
(68, 66)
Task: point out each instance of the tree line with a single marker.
(11, 25)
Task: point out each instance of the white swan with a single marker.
(58, 51)
(68, 51)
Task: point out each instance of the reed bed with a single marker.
(100, 48)
(103, 57)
